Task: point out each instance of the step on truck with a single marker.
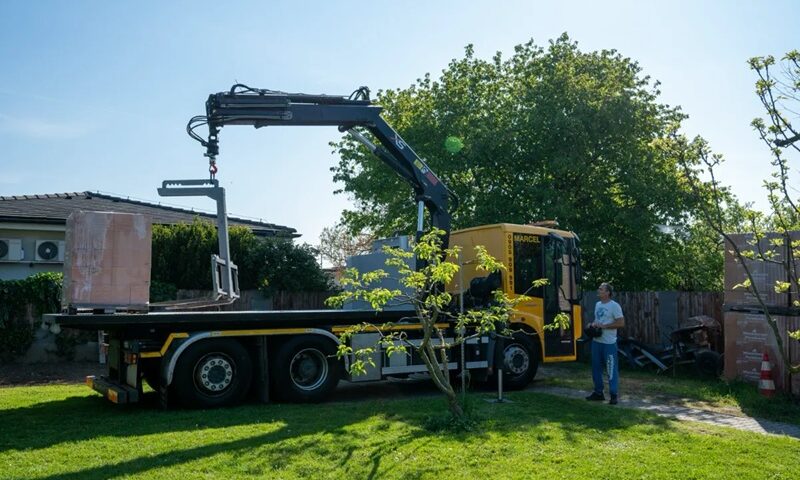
(217, 358)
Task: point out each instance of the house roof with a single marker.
(54, 208)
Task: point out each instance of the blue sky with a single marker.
(96, 95)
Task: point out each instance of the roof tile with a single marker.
(55, 208)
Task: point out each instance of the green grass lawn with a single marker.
(685, 388)
(68, 432)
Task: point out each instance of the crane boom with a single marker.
(242, 105)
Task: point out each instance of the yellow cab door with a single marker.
(558, 297)
(534, 257)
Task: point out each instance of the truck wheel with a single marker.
(212, 373)
(305, 369)
(708, 363)
(520, 361)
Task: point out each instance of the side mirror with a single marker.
(481, 288)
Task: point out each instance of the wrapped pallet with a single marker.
(748, 336)
(764, 273)
(107, 261)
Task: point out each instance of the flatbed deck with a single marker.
(190, 321)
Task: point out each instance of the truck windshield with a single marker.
(527, 264)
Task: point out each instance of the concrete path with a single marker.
(749, 424)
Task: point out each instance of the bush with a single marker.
(162, 291)
(272, 265)
(68, 340)
(182, 258)
(182, 254)
(42, 292)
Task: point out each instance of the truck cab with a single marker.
(529, 252)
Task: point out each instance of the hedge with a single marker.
(41, 291)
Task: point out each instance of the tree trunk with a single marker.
(438, 373)
(452, 403)
(429, 357)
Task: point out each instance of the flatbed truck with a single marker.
(210, 359)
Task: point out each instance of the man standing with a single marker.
(607, 317)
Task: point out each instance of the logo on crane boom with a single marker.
(401, 144)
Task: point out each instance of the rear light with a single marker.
(130, 358)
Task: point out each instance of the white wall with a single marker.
(29, 234)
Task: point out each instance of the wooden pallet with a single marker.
(105, 309)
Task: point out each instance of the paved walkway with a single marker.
(749, 424)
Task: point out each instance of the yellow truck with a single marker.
(215, 358)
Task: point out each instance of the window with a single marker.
(527, 264)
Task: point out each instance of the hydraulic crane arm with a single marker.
(242, 105)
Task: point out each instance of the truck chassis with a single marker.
(214, 359)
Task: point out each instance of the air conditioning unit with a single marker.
(11, 250)
(49, 251)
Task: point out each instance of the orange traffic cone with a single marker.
(766, 386)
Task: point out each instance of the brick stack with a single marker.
(747, 333)
(107, 261)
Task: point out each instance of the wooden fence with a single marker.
(651, 316)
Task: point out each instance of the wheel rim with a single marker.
(214, 373)
(517, 359)
(308, 369)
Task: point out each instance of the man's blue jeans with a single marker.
(604, 359)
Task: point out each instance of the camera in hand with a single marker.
(592, 332)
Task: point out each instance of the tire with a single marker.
(708, 363)
(212, 373)
(305, 369)
(520, 361)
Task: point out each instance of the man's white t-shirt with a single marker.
(604, 314)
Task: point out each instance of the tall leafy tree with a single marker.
(548, 133)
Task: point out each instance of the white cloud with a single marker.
(42, 129)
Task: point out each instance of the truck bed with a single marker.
(189, 321)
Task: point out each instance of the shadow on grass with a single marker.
(352, 430)
(235, 447)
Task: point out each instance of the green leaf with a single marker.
(782, 287)
(746, 284)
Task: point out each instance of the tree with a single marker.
(433, 307)
(337, 243)
(181, 257)
(548, 133)
(695, 256)
(780, 99)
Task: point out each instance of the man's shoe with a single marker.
(596, 397)
(613, 400)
